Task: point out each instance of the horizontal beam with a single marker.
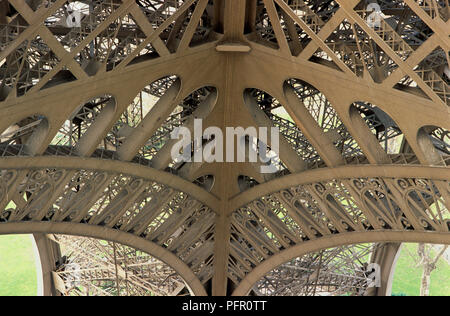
(233, 48)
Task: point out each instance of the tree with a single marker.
(428, 263)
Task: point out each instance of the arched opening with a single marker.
(353, 270)
(158, 147)
(87, 119)
(293, 152)
(133, 244)
(381, 137)
(136, 112)
(275, 225)
(326, 117)
(84, 266)
(206, 182)
(280, 118)
(385, 129)
(95, 267)
(143, 213)
(179, 116)
(341, 271)
(246, 182)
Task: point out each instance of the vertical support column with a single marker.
(250, 18)
(235, 12)
(230, 98)
(222, 241)
(219, 8)
(49, 254)
(386, 256)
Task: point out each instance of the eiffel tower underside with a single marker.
(90, 92)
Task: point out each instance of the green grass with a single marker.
(407, 276)
(17, 266)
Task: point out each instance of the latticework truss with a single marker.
(91, 267)
(331, 272)
(90, 92)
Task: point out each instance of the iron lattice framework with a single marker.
(91, 90)
(91, 267)
(337, 271)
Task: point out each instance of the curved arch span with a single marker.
(324, 174)
(112, 166)
(273, 262)
(112, 235)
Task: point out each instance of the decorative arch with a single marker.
(343, 172)
(331, 203)
(138, 204)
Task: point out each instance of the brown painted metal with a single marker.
(363, 113)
